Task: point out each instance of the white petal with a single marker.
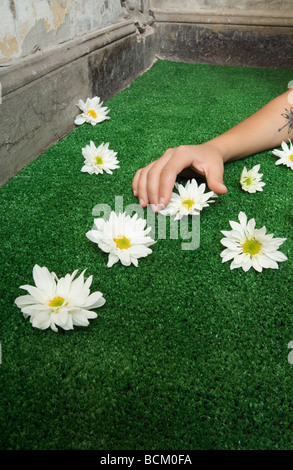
(25, 300)
(76, 286)
(139, 251)
(134, 261)
(285, 147)
(87, 169)
(267, 262)
(234, 266)
(62, 319)
(240, 259)
(41, 321)
(247, 264)
(229, 244)
(93, 236)
(87, 313)
(226, 233)
(235, 225)
(79, 120)
(36, 293)
(124, 257)
(82, 105)
(256, 265)
(278, 153)
(36, 309)
(242, 218)
(63, 286)
(276, 256)
(112, 259)
(227, 255)
(250, 226)
(94, 300)
(44, 279)
(79, 320)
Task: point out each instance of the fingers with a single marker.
(147, 181)
(214, 175)
(144, 184)
(135, 182)
(139, 186)
(167, 181)
(180, 159)
(154, 183)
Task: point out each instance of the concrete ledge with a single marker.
(228, 17)
(226, 44)
(39, 94)
(36, 66)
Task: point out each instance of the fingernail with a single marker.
(141, 201)
(162, 201)
(134, 192)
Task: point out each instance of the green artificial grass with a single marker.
(185, 354)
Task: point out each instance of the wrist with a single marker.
(217, 147)
(229, 148)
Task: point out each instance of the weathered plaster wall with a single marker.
(28, 26)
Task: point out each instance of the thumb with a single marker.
(214, 176)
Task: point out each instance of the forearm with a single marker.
(264, 130)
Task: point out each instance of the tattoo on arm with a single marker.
(289, 118)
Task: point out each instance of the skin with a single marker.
(263, 130)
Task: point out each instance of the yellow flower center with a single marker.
(188, 203)
(122, 242)
(291, 157)
(252, 247)
(247, 180)
(92, 113)
(99, 160)
(57, 302)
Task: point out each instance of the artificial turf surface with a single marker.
(185, 354)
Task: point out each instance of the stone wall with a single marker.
(230, 32)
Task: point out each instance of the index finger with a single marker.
(169, 174)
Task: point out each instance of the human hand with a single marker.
(154, 183)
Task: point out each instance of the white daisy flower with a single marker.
(92, 111)
(249, 247)
(61, 302)
(123, 237)
(285, 155)
(190, 200)
(99, 159)
(250, 180)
